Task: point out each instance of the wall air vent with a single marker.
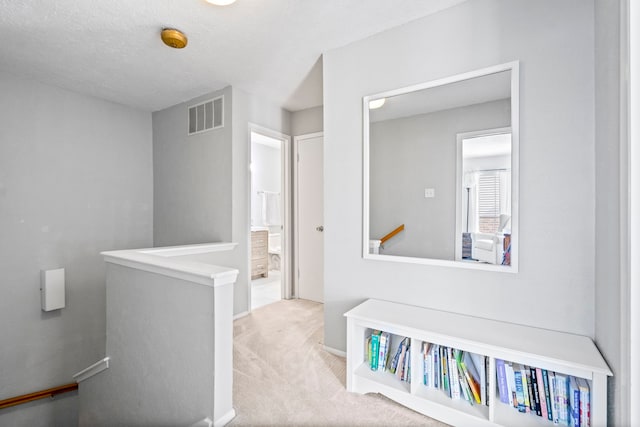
(206, 116)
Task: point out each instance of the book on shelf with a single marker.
(393, 365)
(464, 387)
(574, 402)
(400, 367)
(383, 354)
(554, 396)
(454, 378)
(502, 381)
(469, 382)
(477, 366)
(519, 388)
(435, 362)
(585, 403)
(375, 348)
(511, 383)
(406, 367)
(426, 364)
(547, 394)
(444, 371)
(555, 410)
(562, 395)
(535, 387)
(529, 399)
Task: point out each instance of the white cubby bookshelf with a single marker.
(566, 353)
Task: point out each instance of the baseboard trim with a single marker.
(225, 419)
(239, 315)
(335, 351)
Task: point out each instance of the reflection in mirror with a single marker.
(441, 171)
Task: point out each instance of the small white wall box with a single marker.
(52, 289)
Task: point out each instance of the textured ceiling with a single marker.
(112, 49)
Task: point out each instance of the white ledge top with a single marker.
(172, 261)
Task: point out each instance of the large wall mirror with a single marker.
(441, 171)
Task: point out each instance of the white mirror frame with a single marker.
(514, 67)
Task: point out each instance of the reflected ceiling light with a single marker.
(376, 103)
(221, 2)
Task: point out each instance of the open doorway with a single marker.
(270, 202)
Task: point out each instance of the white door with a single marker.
(310, 203)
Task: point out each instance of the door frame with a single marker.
(285, 191)
(630, 231)
(296, 242)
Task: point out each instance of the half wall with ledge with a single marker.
(169, 339)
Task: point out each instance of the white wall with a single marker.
(191, 177)
(554, 42)
(201, 183)
(306, 121)
(160, 338)
(410, 154)
(75, 179)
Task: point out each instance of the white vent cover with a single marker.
(206, 116)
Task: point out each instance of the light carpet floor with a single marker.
(284, 377)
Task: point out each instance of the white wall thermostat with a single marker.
(52, 289)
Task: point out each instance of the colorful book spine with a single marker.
(585, 403)
(502, 381)
(375, 348)
(555, 407)
(445, 373)
(525, 388)
(403, 352)
(436, 367)
(511, 384)
(406, 372)
(535, 383)
(382, 352)
(454, 379)
(476, 365)
(543, 401)
(547, 394)
(393, 366)
(471, 383)
(517, 373)
(562, 395)
(529, 398)
(574, 402)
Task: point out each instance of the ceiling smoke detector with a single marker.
(173, 38)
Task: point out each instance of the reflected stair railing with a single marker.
(392, 234)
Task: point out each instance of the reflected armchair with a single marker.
(487, 247)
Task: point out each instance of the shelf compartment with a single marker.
(440, 397)
(395, 342)
(384, 378)
(506, 413)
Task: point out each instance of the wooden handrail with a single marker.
(18, 400)
(393, 233)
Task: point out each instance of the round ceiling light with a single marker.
(221, 2)
(173, 38)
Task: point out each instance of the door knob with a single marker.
(320, 228)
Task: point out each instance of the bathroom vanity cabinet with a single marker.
(259, 253)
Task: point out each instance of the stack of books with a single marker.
(380, 351)
(559, 398)
(460, 374)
